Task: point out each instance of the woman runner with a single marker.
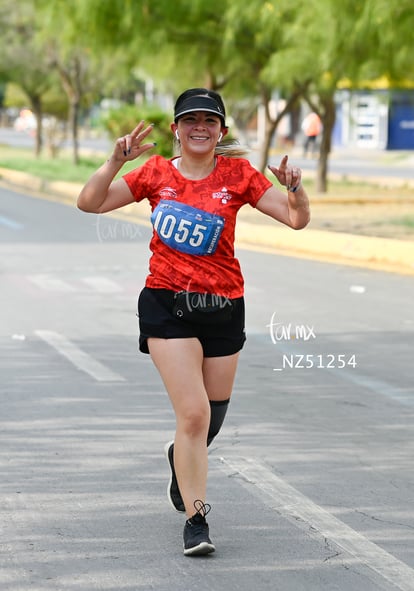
(191, 310)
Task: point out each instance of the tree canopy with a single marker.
(252, 51)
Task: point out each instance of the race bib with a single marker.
(186, 228)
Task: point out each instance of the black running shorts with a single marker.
(157, 320)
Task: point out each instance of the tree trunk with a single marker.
(71, 81)
(74, 127)
(264, 152)
(271, 124)
(36, 105)
(322, 173)
(328, 121)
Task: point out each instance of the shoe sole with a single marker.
(166, 449)
(200, 550)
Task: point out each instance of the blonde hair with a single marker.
(230, 148)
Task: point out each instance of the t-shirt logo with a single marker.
(223, 194)
(168, 192)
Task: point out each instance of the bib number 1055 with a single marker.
(182, 231)
(187, 229)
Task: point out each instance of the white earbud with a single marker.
(220, 137)
(177, 135)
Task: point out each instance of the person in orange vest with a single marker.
(311, 127)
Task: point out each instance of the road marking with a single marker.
(292, 504)
(102, 284)
(51, 283)
(97, 283)
(79, 358)
(9, 223)
(401, 395)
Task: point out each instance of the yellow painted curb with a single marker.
(379, 253)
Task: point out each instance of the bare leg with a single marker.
(218, 376)
(180, 362)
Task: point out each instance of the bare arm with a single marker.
(101, 193)
(291, 209)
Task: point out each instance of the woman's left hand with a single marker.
(289, 176)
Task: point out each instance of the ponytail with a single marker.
(230, 148)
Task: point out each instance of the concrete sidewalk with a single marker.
(366, 251)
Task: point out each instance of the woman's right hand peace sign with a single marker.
(129, 146)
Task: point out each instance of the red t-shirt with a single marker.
(194, 223)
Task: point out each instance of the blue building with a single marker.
(376, 119)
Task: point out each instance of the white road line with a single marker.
(102, 284)
(51, 283)
(79, 358)
(401, 395)
(10, 223)
(294, 505)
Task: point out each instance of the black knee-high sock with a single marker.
(218, 413)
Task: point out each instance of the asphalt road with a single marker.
(311, 480)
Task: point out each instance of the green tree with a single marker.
(386, 46)
(254, 37)
(85, 68)
(330, 41)
(359, 42)
(253, 52)
(23, 58)
(121, 121)
(186, 43)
